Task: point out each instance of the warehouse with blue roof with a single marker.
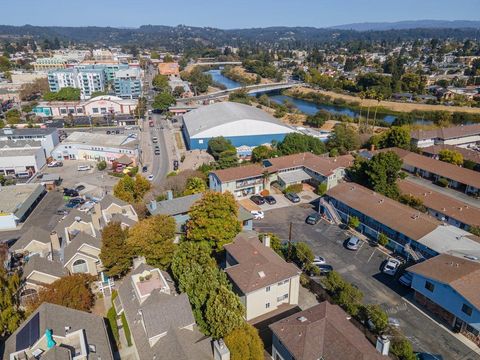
(242, 124)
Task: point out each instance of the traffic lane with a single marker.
(362, 268)
(160, 163)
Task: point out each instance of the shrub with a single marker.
(403, 349)
(321, 189)
(382, 239)
(102, 165)
(442, 182)
(353, 222)
(295, 188)
(126, 330)
(112, 320)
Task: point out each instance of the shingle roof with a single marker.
(391, 213)
(324, 333)
(33, 233)
(56, 318)
(210, 116)
(81, 238)
(43, 265)
(461, 274)
(441, 168)
(258, 266)
(70, 219)
(441, 203)
(446, 133)
(180, 205)
(466, 153)
(108, 200)
(185, 344)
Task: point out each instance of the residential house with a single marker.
(161, 321)
(75, 334)
(111, 209)
(447, 286)
(468, 154)
(320, 332)
(37, 273)
(262, 279)
(82, 255)
(461, 135)
(285, 170)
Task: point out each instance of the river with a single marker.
(305, 106)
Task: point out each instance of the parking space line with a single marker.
(371, 255)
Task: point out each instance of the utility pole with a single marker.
(289, 242)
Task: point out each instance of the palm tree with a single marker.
(265, 178)
(379, 98)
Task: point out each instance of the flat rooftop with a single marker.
(12, 197)
(94, 139)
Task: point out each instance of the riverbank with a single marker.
(390, 105)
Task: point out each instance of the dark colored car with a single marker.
(175, 165)
(313, 219)
(292, 197)
(427, 356)
(77, 201)
(323, 269)
(257, 199)
(157, 152)
(145, 169)
(70, 192)
(62, 212)
(80, 188)
(270, 200)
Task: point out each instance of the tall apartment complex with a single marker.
(127, 83)
(87, 80)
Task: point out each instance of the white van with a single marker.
(23, 175)
(83, 167)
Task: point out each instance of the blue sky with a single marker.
(228, 14)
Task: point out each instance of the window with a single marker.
(467, 309)
(283, 297)
(95, 110)
(267, 289)
(267, 305)
(80, 266)
(429, 286)
(200, 141)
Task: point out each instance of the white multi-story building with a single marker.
(87, 80)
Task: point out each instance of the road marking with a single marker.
(370, 258)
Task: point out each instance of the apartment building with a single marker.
(48, 137)
(261, 278)
(87, 80)
(127, 83)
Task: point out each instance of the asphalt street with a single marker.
(362, 268)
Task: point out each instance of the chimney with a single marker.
(266, 240)
(54, 241)
(169, 195)
(383, 345)
(153, 205)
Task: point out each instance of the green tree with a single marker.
(154, 55)
(343, 293)
(413, 83)
(318, 119)
(214, 219)
(178, 91)
(200, 81)
(402, 348)
(303, 255)
(11, 314)
(382, 239)
(131, 189)
(102, 165)
(153, 238)
(475, 230)
(98, 93)
(13, 117)
(223, 152)
(322, 189)
(396, 136)
(163, 101)
(261, 153)
(160, 82)
(353, 222)
(223, 312)
(115, 253)
(64, 94)
(344, 138)
(72, 291)
(275, 243)
(245, 343)
(167, 58)
(451, 156)
(378, 317)
(5, 64)
(195, 185)
(295, 143)
(34, 90)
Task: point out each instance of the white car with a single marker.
(150, 177)
(83, 167)
(257, 214)
(318, 260)
(52, 164)
(391, 266)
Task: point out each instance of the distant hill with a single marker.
(411, 24)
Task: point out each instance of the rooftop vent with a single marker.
(261, 274)
(302, 319)
(78, 218)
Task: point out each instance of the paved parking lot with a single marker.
(362, 268)
(96, 182)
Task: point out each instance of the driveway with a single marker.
(362, 268)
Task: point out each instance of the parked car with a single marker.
(391, 266)
(155, 140)
(428, 356)
(353, 243)
(257, 199)
(145, 169)
(83, 167)
(406, 279)
(318, 260)
(80, 188)
(150, 177)
(324, 268)
(292, 197)
(257, 214)
(70, 192)
(62, 212)
(270, 200)
(55, 164)
(313, 219)
(77, 200)
(175, 165)
(393, 322)
(157, 152)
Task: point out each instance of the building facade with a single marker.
(127, 83)
(48, 137)
(88, 81)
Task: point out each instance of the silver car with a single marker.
(353, 243)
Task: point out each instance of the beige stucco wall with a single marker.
(41, 277)
(37, 247)
(91, 265)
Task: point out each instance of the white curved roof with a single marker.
(232, 119)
